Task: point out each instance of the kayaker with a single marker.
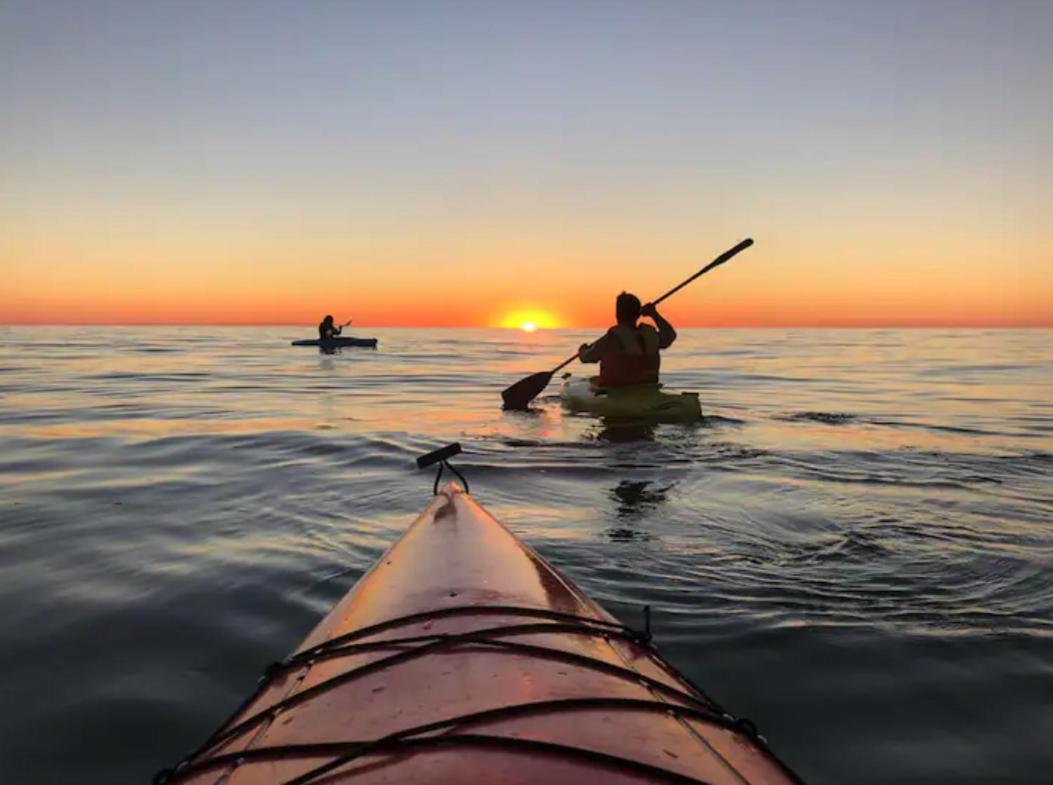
(629, 352)
(327, 331)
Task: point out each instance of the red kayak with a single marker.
(464, 657)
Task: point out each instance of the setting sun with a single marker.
(529, 320)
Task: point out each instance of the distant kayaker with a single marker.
(327, 331)
(629, 352)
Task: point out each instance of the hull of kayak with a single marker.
(337, 342)
(645, 402)
(464, 657)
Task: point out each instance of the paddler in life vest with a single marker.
(628, 353)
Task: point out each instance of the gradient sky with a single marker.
(447, 163)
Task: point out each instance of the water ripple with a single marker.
(853, 549)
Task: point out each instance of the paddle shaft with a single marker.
(715, 263)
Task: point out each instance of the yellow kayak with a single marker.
(643, 401)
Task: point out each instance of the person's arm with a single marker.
(666, 333)
(337, 331)
(592, 352)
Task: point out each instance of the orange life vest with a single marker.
(620, 369)
(638, 360)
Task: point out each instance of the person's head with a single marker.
(627, 308)
(327, 320)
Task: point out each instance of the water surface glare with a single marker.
(855, 550)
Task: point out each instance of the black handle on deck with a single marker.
(442, 457)
(441, 454)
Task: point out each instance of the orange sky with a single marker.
(150, 272)
(208, 163)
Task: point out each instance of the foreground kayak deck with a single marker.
(645, 401)
(338, 341)
(464, 657)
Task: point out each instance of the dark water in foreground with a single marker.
(856, 550)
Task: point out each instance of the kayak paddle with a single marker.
(525, 390)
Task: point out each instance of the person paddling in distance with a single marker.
(327, 331)
(630, 352)
(520, 394)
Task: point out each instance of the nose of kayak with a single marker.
(463, 656)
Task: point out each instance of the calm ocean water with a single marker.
(855, 550)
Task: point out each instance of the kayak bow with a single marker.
(464, 657)
(338, 341)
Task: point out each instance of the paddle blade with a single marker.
(525, 390)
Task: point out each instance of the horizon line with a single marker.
(786, 326)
